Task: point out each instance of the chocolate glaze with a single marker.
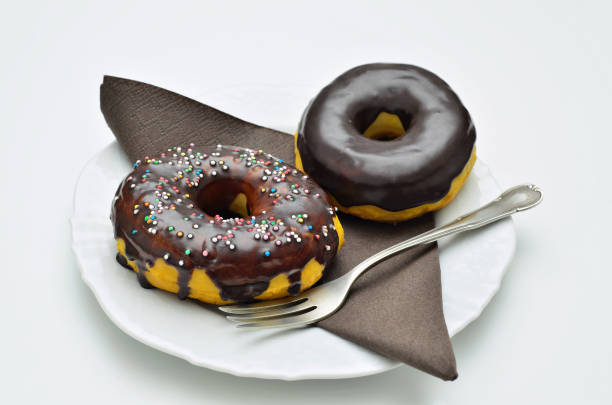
(414, 169)
(122, 261)
(183, 181)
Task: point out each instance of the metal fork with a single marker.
(322, 301)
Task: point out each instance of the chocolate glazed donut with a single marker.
(389, 142)
(223, 224)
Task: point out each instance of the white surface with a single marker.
(536, 77)
(472, 268)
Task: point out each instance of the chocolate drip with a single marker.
(158, 213)
(243, 292)
(295, 282)
(122, 261)
(142, 279)
(184, 276)
(414, 169)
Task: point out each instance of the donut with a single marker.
(223, 224)
(389, 142)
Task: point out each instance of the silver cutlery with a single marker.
(320, 302)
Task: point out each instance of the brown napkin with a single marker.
(395, 309)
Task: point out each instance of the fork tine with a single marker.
(263, 306)
(280, 313)
(285, 322)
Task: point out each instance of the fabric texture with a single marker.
(395, 309)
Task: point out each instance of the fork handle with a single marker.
(513, 200)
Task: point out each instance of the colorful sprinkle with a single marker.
(185, 174)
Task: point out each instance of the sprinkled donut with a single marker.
(223, 224)
(389, 142)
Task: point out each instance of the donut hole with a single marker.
(226, 198)
(382, 126)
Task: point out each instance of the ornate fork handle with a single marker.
(513, 200)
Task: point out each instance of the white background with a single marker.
(535, 76)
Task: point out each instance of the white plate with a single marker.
(472, 264)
